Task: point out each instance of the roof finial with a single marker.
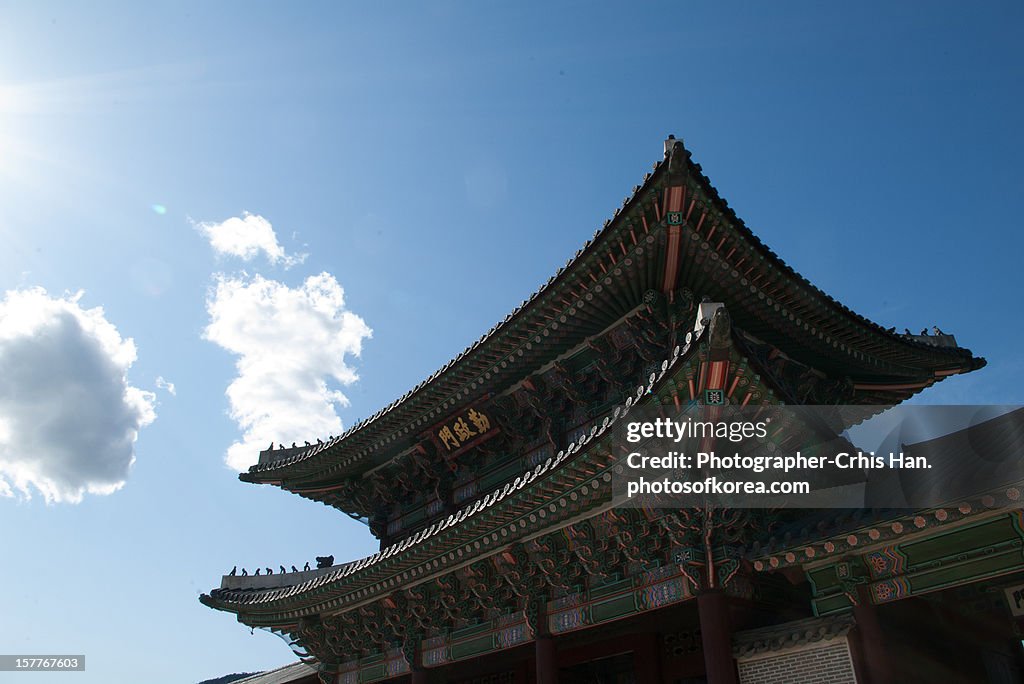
(670, 143)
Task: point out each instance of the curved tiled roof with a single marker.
(788, 270)
(243, 597)
(957, 356)
(305, 453)
(791, 634)
(282, 675)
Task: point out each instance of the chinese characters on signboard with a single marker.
(462, 429)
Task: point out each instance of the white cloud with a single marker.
(245, 237)
(164, 385)
(68, 417)
(292, 344)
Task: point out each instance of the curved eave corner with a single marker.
(676, 168)
(247, 601)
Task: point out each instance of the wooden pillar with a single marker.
(547, 660)
(716, 636)
(419, 673)
(1016, 628)
(872, 651)
(647, 659)
(545, 653)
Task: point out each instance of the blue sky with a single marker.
(437, 163)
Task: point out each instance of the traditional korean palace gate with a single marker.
(489, 486)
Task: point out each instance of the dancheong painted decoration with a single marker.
(502, 558)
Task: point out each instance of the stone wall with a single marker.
(808, 651)
(825, 662)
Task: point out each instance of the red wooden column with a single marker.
(419, 673)
(716, 636)
(647, 659)
(874, 658)
(547, 659)
(545, 653)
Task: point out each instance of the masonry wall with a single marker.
(825, 662)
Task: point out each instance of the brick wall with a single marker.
(824, 662)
